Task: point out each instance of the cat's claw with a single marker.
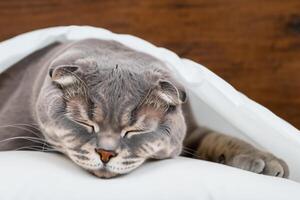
(261, 163)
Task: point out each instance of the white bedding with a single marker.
(29, 175)
(43, 176)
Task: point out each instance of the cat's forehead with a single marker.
(117, 94)
(116, 83)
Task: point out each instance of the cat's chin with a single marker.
(103, 173)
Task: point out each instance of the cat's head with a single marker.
(109, 119)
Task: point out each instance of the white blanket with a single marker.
(216, 104)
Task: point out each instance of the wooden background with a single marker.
(253, 44)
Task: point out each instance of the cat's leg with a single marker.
(234, 152)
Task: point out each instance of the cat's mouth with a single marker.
(103, 173)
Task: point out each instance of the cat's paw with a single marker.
(261, 163)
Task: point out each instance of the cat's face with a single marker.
(110, 121)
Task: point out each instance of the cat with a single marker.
(110, 108)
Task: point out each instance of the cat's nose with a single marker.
(105, 155)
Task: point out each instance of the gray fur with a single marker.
(92, 94)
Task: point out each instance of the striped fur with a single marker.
(82, 96)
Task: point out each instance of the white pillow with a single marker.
(45, 176)
(216, 104)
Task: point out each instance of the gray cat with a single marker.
(109, 109)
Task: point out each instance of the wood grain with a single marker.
(254, 45)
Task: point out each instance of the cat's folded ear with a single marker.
(63, 74)
(170, 93)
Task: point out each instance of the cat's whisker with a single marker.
(27, 125)
(25, 137)
(192, 154)
(32, 139)
(40, 148)
(187, 148)
(32, 146)
(36, 148)
(22, 128)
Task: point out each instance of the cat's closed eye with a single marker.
(130, 133)
(90, 127)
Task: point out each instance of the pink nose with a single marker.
(105, 155)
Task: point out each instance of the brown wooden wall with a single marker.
(253, 44)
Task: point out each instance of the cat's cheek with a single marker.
(124, 165)
(169, 152)
(176, 152)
